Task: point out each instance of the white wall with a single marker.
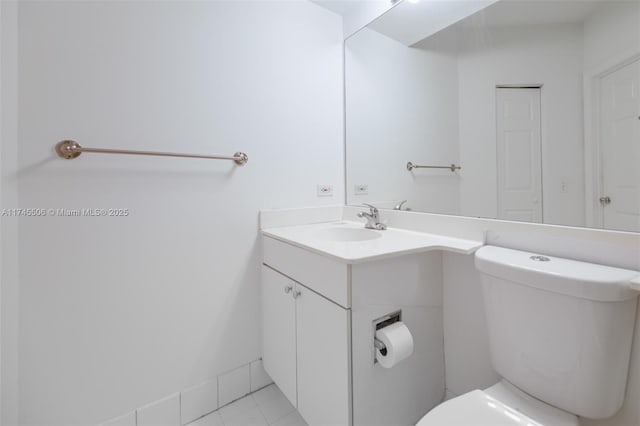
(9, 288)
(548, 55)
(115, 312)
(611, 33)
(466, 344)
(401, 106)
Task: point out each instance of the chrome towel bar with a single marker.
(453, 167)
(71, 149)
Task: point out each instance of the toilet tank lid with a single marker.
(570, 277)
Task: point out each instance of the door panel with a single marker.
(323, 360)
(279, 331)
(519, 154)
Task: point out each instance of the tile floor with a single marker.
(268, 406)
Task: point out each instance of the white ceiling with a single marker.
(356, 13)
(506, 13)
(411, 22)
(341, 7)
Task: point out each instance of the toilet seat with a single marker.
(475, 408)
(500, 405)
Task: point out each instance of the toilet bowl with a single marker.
(560, 334)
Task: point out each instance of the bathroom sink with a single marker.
(350, 242)
(345, 235)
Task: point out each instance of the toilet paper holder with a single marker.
(379, 345)
(383, 322)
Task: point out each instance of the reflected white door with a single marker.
(620, 142)
(518, 146)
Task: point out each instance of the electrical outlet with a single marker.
(325, 191)
(361, 190)
(564, 187)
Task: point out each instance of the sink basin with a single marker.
(345, 235)
(350, 242)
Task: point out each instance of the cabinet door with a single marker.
(279, 331)
(323, 359)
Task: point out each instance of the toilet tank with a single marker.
(559, 329)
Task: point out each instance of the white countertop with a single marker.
(389, 243)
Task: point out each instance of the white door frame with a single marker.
(592, 144)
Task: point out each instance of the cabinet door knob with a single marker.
(296, 294)
(288, 288)
(605, 200)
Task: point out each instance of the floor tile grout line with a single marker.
(257, 404)
(259, 409)
(265, 416)
(292, 410)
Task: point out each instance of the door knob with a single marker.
(288, 288)
(605, 200)
(296, 294)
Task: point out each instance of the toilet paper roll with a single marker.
(399, 342)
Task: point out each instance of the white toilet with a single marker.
(560, 334)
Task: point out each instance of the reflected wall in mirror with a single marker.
(538, 102)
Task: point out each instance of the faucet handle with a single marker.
(372, 208)
(373, 218)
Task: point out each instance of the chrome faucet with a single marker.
(399, 205)
(373, 218)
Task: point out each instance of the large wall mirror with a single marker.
(521, 110)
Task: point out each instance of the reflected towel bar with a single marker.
(71, 149)
(453, 167)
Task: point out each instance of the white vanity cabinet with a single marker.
(306, 342)
(325, 287)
